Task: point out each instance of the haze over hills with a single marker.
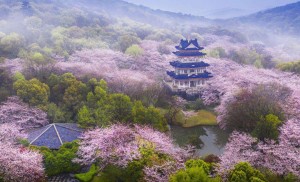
(283, 19)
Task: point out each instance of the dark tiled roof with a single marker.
(178, 64)
(186, 76)
(189, 54)
(54, 135)
(185, 43)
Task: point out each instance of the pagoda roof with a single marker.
(189, 54)
(184, 45)
(186, 76)
(54, 135)
(178, 64)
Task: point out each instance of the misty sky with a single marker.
(213, 8)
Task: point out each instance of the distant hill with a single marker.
(122, 9)
(283, 19)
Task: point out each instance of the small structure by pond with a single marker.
(54, 135)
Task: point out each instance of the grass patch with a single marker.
(202, 117)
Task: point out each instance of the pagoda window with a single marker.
(192, 71)
(181, 83)
(186, 83)
(185, 71)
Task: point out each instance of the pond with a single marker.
(213, 138)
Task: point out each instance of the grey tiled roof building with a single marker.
(54, 135)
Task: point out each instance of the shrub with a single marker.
(88, 176)
(60, 161)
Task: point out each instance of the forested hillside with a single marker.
(101, 66)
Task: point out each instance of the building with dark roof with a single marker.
(54, 135)
(190, 73)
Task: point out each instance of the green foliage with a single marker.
(88, 176)
(5, 84)
(60, 161)
(24, 142)
(55, 114)
(126, 41)
(245, 56)
(134, 50)
(193, 174)
(267, 127)
(32, 91)
(85, 118)
(120, 107)
(150, 115)
(290, 67)
(11, 44)
(195, 171)
(217, 52)
(198, 163)
(244, 172)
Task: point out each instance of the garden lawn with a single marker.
(202, 117)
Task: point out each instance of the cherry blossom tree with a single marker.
(20, 164)
(281, 157)
(120, 144)
(10, 133)
(16, 112)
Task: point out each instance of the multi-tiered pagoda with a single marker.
(190, 72)
(26, 8)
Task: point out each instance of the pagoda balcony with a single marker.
(205, 74)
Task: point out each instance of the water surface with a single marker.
(213, 137)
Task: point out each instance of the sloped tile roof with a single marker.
(54, 135)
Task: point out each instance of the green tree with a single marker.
(74, 98)
(33, 91)
(120, 107)
(85, 118)
(126, 41)
(155, 118)
(134, 50)
(244, 172)
(195, 171)
(138, 112)
(55, 114)
(194, 174)
(267, 127)
(11, 44)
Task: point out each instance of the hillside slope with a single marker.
(283, 19)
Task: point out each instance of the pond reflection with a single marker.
(213, 138)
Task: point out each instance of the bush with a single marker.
(60, 161)
(88, 176)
